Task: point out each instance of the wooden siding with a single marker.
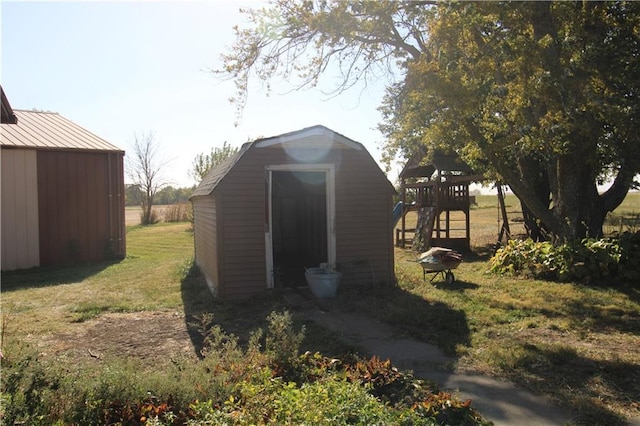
(205, 231)
(230, 239)
(20, 239)
(81, 206)
(363, 216)
(243, 234)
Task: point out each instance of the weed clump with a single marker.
(268, 382)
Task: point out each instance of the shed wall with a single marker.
(243, 247)
(363, 216)
(364, 208)
(20, 239)
(205, 230)
(81, 205)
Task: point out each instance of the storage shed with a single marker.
(290, 202)
(62, 193)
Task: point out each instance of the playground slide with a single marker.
(397, 213)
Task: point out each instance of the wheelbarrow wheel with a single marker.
(449, 277)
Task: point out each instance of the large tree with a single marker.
(544, 94)
(145, 169)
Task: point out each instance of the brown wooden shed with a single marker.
(290, 202)
(62, 193)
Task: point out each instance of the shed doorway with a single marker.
(299, 236)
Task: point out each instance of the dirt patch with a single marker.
(150, 336)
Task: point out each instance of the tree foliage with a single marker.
(165, 196)
(145, 170)
(543, 95)
(204, 162)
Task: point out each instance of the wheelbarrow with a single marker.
(439, 261)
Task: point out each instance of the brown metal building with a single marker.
(62, 193)
(290, 202)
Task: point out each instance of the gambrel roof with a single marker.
(307, 138)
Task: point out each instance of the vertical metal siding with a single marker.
(81, 199)
(118, 231)
(20, 239)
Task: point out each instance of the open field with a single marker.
(132, 213)
(576, 344)
(486, 221)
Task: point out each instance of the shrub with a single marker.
(181, 212)
(153, 217)
(282, 343)
(589, 260)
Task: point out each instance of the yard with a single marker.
(576, 344)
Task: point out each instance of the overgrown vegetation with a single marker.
(181, 212)
(612, 260)
(268, 382)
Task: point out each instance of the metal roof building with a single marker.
(62, 192)
(50, 130)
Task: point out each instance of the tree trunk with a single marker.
(537, 179)
(577, 206)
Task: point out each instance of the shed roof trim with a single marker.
(218, 172)
(308, 136)
(47, 130)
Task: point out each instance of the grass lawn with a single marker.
(577, 344)
(49, 300)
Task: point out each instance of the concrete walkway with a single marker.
(498, 401)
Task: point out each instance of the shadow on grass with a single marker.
(457, 285)
(587, 389)
(48, 276)
(429, 321)
(481, 253)
(599, 318)
(632, 292)
(237, 317)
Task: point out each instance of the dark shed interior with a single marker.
(299, 208)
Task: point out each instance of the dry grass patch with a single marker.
(49, 300)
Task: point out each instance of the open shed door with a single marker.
(301, 214)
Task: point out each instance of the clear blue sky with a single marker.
(120, 68)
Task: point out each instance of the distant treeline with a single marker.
(167, 195)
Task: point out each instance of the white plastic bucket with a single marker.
(323, 283)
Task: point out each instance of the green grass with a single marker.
(576, 344)
(48, 300)
(573, 343)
